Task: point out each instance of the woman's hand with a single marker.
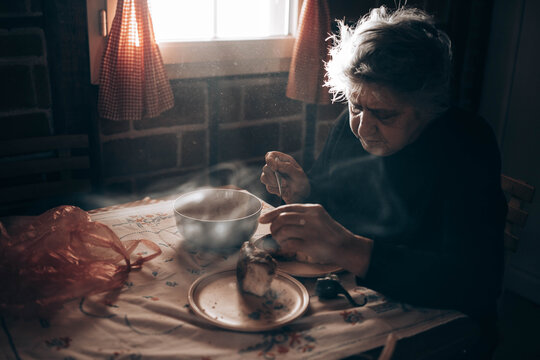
(310, 229)
(295, 185)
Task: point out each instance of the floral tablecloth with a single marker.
(151, 318)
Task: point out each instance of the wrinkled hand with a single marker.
(295, 185)
(310, 229)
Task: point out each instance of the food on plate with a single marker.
(269, 244)
(255, 269)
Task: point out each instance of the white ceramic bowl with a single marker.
(217, 220)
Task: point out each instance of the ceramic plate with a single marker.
(296, 268)
(215, 297)
(302, 269)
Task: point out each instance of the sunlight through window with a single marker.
(133, 31)
(185, 20)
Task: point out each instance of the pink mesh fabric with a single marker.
(60, 255)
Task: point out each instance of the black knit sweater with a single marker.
(435, 211)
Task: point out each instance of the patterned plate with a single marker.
(215, 297)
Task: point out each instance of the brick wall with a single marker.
(215, 121)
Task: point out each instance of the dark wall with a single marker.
(25, 105)
(45, 68)
(510, 100)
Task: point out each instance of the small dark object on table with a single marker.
(329, 287)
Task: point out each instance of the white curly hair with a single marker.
(401, 49)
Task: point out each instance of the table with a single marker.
(151, 318)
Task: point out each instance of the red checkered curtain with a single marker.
(133, 84)
(306, 75)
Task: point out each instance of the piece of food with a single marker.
(269, 244)
(255, 269)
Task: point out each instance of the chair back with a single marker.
(518, 192)
(40, 168)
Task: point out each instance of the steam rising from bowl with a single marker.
(217, 220)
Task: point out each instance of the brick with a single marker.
(41, 80)
(169, 184)
(291, 136)
(12, 45)
(22, 126)
(229, 104)
(165, 119)
(247, 142)
(134, 156)
(109, 127)
(190, 100)
(16, 87)
(243, 174)
(267, 101)
(194, 149)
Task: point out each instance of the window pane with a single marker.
(252, 18)
(182, 19)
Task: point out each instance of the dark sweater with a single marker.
(435, 211)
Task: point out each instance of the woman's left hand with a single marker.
(310, 229)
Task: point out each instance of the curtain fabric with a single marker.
(307, 74)
(133, 83)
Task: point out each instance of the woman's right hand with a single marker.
(295, 185)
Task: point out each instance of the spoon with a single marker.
(278, 180)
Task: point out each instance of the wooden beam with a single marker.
(517, 188)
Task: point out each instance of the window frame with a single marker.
(201, 59)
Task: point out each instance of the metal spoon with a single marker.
(278, 180)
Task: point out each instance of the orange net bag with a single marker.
(61, 255)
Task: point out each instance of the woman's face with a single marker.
(383, 122)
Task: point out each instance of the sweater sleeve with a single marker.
(464, 271)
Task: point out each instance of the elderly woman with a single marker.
(406, 192)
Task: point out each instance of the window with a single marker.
(207, 38)
(184, 20)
